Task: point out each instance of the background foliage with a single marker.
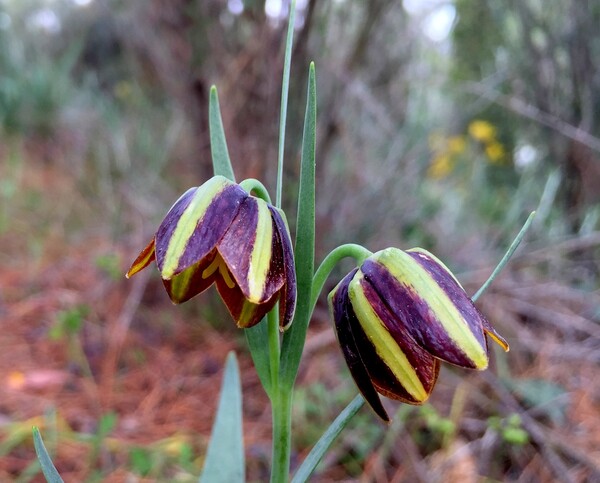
(440, 124)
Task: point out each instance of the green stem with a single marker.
(282, 423)
(287, 62)
(509, 253)
(358, 252)
(253, 186)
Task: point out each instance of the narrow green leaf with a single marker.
(285, 88)
(225, 454)
(48, 468)
(259, 350)
(218, 143)
(293, 339)
(320, 448)
(509, 253)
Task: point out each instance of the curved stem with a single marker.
(253, 186)
(358, 252)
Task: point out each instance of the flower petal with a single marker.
(437, 268)
(399, 368)
(143, 259)
(195, 224)
(247, 248)
(430, 304)
(193, 280)
(339, 304)
(287, 299)
(245, 313)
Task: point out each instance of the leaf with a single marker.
(285, 89)
(48, 468)
(293, 340)
(218, 143)
(225, 454)
(259, 350)
(507, 256)
(320, 448)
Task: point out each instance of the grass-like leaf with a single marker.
(312, 460)
(225, 455)
(218, 143)
(285, 88)
(48, 468)
(293, 340)
(507, 256)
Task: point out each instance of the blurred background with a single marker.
(441, 124)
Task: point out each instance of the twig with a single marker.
(530, 111)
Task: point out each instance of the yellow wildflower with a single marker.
(457, 144)
(440, 167)
(494, 151)
(482, 130)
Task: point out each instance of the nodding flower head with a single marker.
(400, 314)
(218, 233)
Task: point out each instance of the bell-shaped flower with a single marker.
(218, 233)
(400, 314)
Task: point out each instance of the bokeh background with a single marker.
(441, 124)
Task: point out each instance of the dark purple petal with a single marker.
(287, 299)
(245, 313)
(423, 363)
(247, 248)
(210, 224)
(414, 313)
(343, 316)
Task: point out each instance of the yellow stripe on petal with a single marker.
(260, 260)
(180, 283)
(385, 346)
(427, 254)
(411, 274)
(189, 219)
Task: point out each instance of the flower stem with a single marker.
(252, 185)
(282, 423)
(358, 252)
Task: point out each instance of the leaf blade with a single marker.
(259, 350)
(320, 448)
(225, 454)
(48, 469)
(293, 339)
(218, 143)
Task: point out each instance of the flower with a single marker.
(481, 130)
(400, 314)
(495, 152)
(218, 233)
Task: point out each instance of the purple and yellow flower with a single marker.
(400, 314)
(218, 233)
